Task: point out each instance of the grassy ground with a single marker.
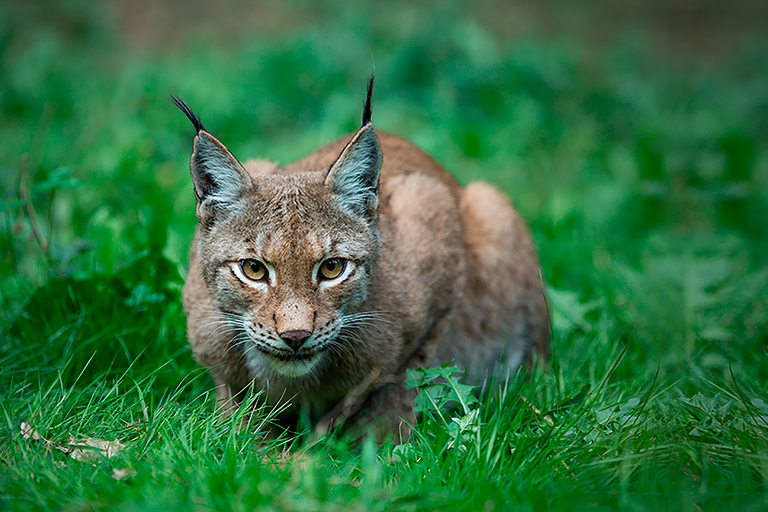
(643, 173)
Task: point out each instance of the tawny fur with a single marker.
(445, 273)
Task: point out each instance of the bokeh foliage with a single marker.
(641, 166)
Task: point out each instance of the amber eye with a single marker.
(253, 269)
(332, 268)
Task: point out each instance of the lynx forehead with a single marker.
(325, 280)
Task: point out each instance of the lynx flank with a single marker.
(321, 282)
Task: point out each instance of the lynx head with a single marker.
(287, 258)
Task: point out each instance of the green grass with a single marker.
(643, 174)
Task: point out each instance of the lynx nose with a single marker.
(295, 339)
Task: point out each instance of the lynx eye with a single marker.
(253, 269)
(332, 268)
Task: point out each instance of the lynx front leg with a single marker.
(379, 404)
(388, 413)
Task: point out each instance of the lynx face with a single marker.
(287, 258)
(289, 266)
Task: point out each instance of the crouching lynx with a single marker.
(323, 281)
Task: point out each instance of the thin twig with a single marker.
(26, 197)
(537, 410)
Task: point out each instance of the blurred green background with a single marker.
(631, 135)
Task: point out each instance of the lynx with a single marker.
(320, 283)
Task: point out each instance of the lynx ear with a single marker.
(216, 174)
(354, 176)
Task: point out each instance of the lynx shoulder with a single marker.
(323, 281)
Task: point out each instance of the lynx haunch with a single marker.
(323, 281)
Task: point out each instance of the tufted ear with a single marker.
(219, 179)
(354, 176)
(217, 175)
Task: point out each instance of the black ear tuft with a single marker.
(367, 107)
(184, 107)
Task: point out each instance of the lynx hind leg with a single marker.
(502, 317)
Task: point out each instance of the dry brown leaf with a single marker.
(88, 449)
(122, 474)
(27, 432)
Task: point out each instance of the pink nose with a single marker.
(295, 339)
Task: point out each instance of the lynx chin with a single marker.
(321, 282)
